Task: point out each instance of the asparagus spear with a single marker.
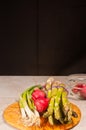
(50, 111)
(55, 100)
(49, 89)
(57, 109)
(54, 91)
(50, 108)
(49, 92)
(50, 80)
(23, 113)
(66, 107)
(51, 119)
(55, 86)
(54, 108)
(49, 86)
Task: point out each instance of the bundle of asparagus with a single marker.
(59, 108)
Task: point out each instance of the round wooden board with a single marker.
(13, 117)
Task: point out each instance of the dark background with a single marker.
(43, 37)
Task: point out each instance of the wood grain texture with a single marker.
(12, 116)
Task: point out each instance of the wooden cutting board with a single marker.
(12, 116)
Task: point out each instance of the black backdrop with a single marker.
(43, 37)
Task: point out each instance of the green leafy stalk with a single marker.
(30, 101)
(28, 111)
(22, 109)
(26, 108)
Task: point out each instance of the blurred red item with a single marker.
(80, 88)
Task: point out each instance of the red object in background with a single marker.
(81, 89)
(77, 88)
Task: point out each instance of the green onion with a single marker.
(27, 108)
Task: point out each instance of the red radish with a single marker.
(40, 100)
(41, 104)
(38, 94)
